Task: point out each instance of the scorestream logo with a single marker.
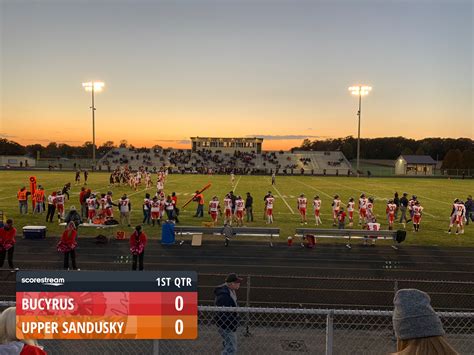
(46, 281)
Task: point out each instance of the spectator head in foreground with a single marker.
(9, 344)
(417, 326)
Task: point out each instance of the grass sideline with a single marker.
(436, 196)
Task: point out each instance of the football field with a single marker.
(435, 195)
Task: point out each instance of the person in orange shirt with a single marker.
(7, 244)
(175, 203)
(22, 197)
(39, 200)
(199, 198)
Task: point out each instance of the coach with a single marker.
(248, 207)
(469, 204)
(403, 208)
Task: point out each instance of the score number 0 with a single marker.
(179, 305)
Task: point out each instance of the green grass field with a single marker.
(435, 195)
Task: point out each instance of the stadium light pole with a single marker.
(359, 90)
(93, 86)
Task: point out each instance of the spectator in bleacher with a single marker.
(9, 343)
(248, 207)
(228, 322)
(417, 326)
(7, 244)
(138, 242)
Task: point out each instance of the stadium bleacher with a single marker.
(201, 161)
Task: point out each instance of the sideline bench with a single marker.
(93, 225)
(237, 231)
(351, 234)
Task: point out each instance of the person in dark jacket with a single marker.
(65, 189)
(228, 322)
(469, 204)
(403, 209)
(73, 216)
(248, 207)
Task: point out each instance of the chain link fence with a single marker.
(279, 331)
(338, 293)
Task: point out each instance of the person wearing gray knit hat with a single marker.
(417, 326)
(413, 316)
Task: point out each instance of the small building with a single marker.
(17, 161)
(415, 165)
(227, 145)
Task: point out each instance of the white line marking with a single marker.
(351, 188)
(432, 199)
(136, 192)
(315, 189)
(240, 177)
(286, 203)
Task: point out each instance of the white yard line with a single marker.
(315, 189)
(424, 212)
(6, 198)
(432, 199)
(378, 198)
(238, 180)
(409, 193)
(136, 192)
(286, 203)
(429, 214)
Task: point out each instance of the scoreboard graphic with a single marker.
(106, 305)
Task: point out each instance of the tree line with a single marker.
(53, 150)
(454, 153)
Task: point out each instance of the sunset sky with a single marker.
(234, 68)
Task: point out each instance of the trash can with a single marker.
(167, 233)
